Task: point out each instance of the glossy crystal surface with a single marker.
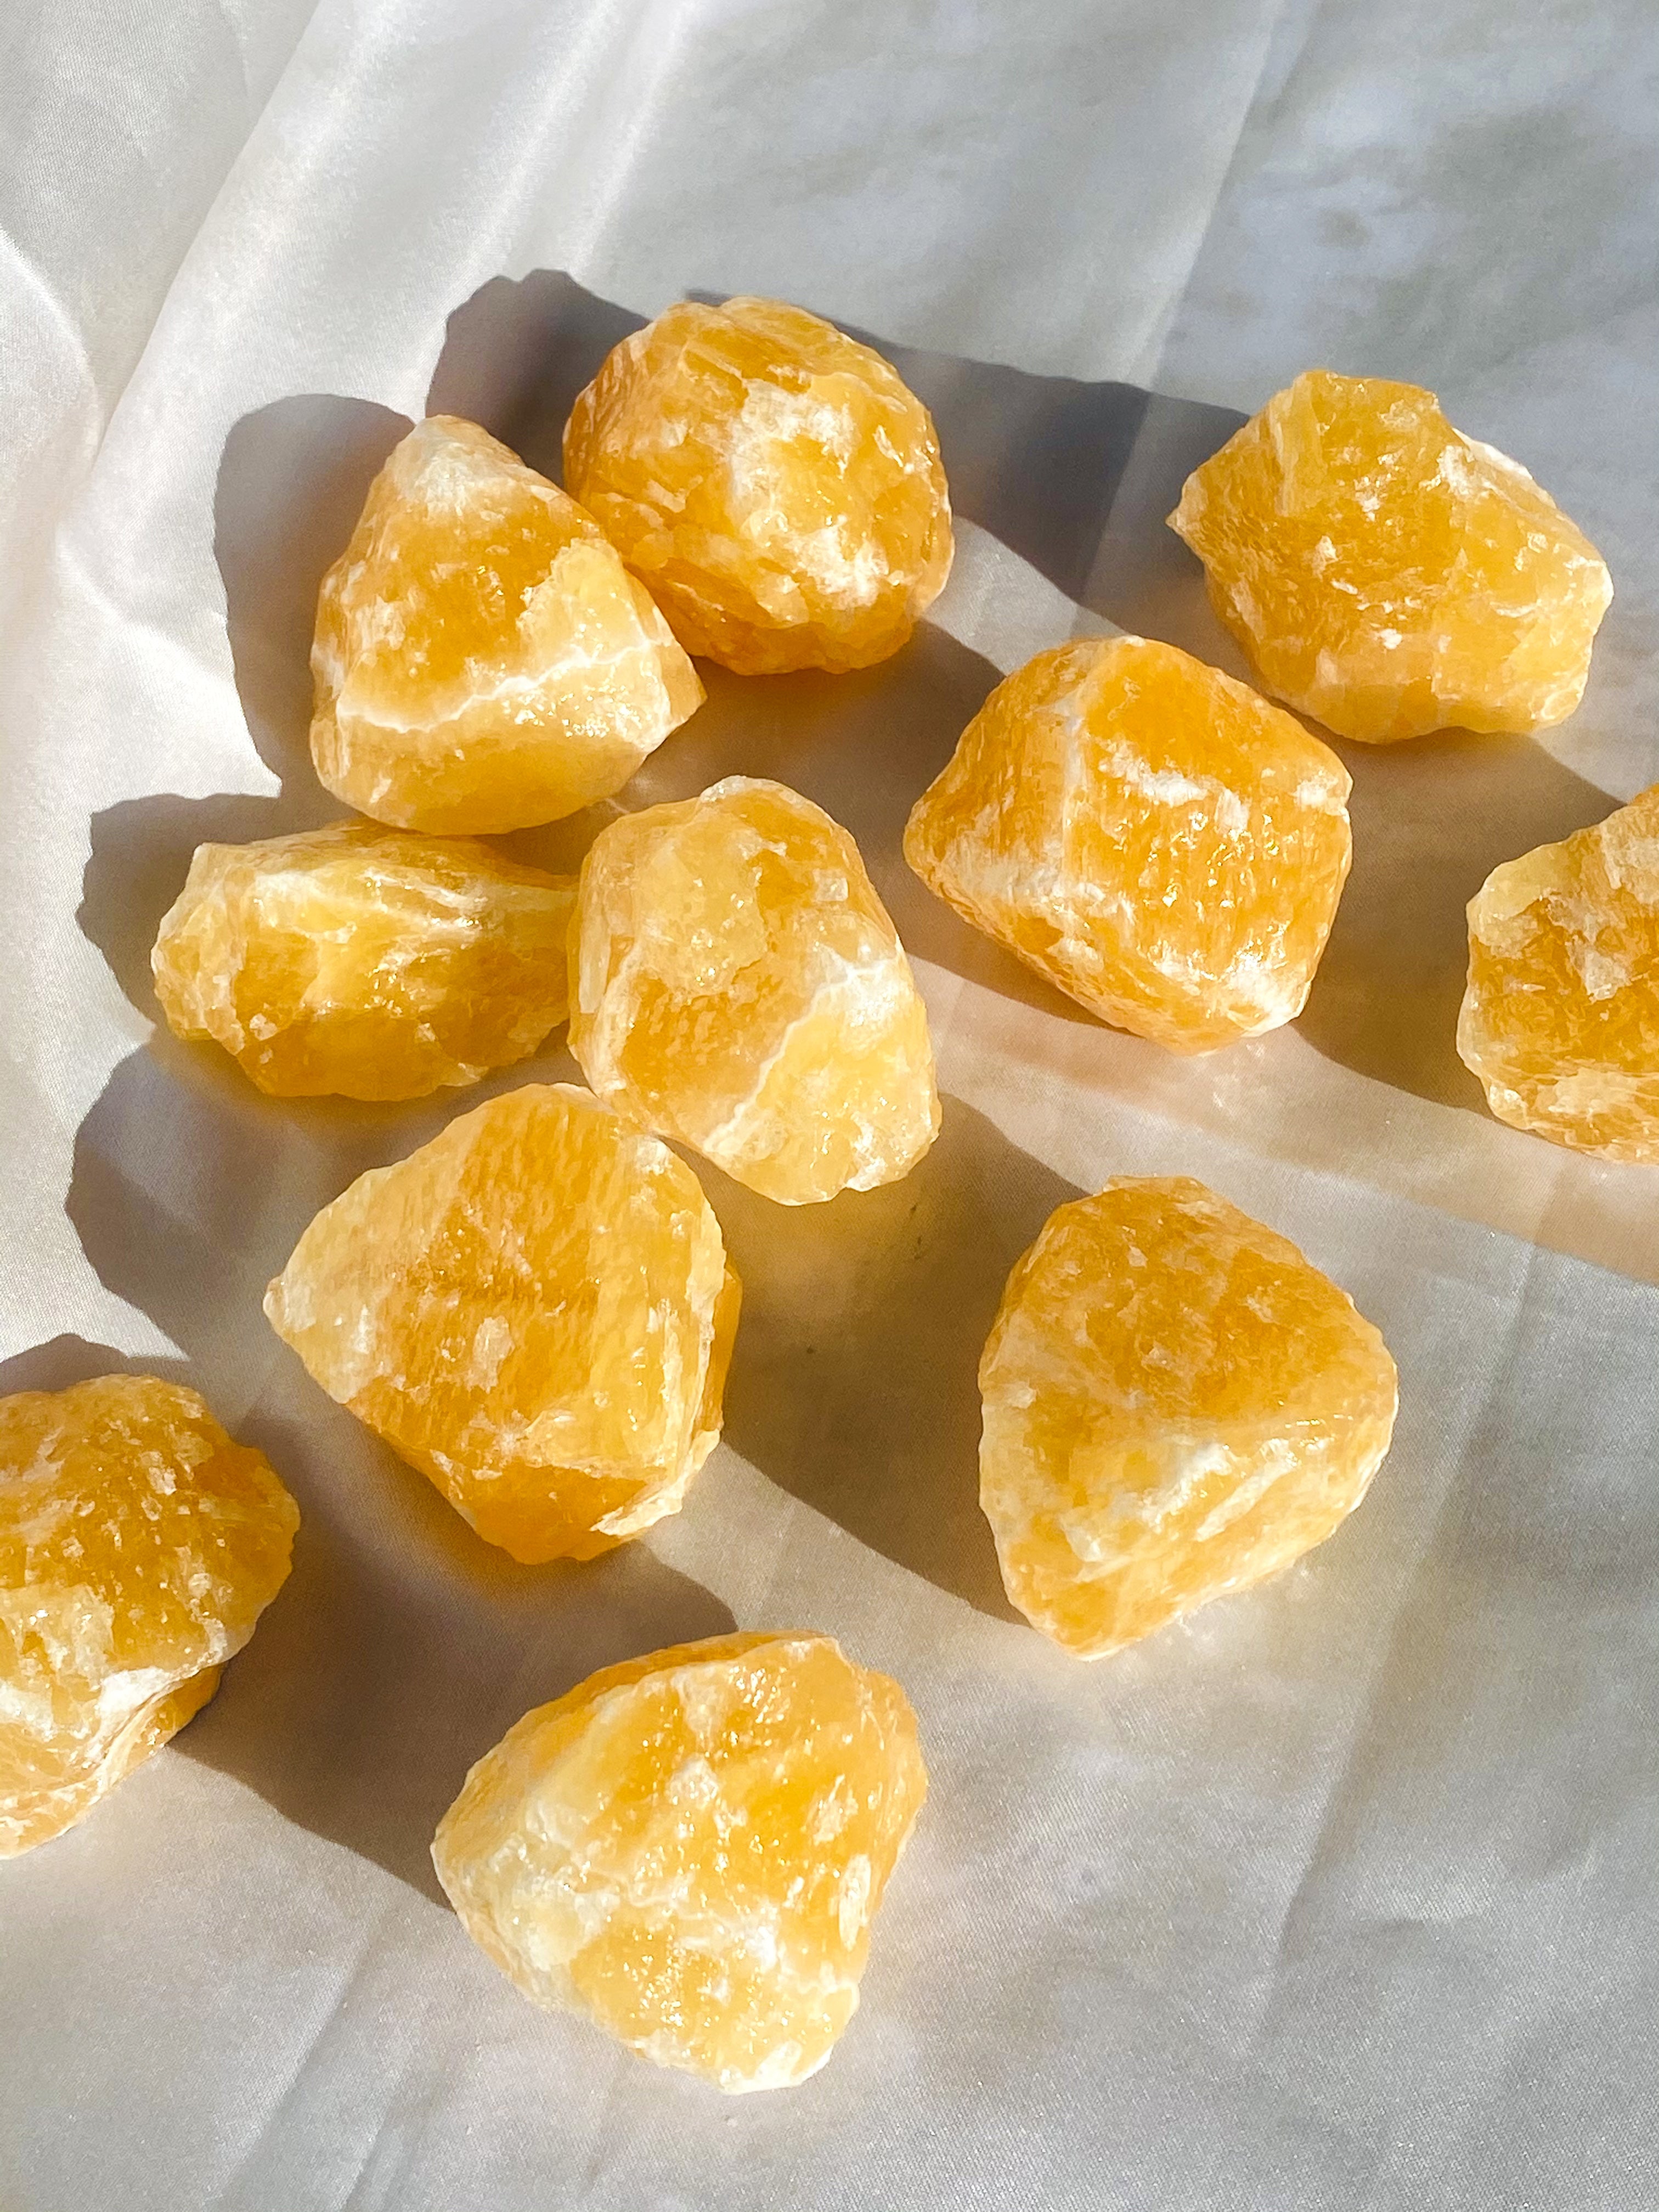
(482, 660)
(365, 961)
(690, 1849)
(1560, 1020)
(138, 1547)
(1152, 837)
(736, 984)
(773, 481)
(1388, 576)
(1176, 1404)
(535, 1310)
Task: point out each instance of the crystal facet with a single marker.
(535, 1310)
(736, 984)
(1175, 1405)
(138, 1547)
(1560, 1020)
(774, 482)
(1386, 573)
(483, 659)
(1149, 835)
(364, 962)
(690, 1848)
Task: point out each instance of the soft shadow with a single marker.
(68, 1359)
(1431, 819)
(854, 1387)
(292, 482)
(404, 1646)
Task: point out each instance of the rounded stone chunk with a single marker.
(1149, 835)
(138, 1547)
(736, 984)
(1176, 1404)
(1560, 1020)
(482, 660)
(690, 1849)
(773, 481)
(364, 962)
(535, 1310)
(1388, 576)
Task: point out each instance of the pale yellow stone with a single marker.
(535, 1310)
(1176, 1404)
(365, 961)
(690, 1849)
(736, 984)
(483, 659)
(1150, 836)
(773, 481)
(1387, 574)
(138, 1547)
(1560, 1020)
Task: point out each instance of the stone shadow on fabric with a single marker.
(291, 482)
(854, 1387)
(403, 1646)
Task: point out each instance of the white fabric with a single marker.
(1344, 1895)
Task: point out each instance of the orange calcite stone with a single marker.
(1148, 833)
(774, 482)
(364, 962)
(1176, 1404)
(690, 1849)
(1560, 1020)
(535, 1310)
(138, 1547)
(736, 984)
(483, 659)
(1386, 573)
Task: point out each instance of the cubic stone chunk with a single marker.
(535, 1310)
(1386, 573)
(483, 659)
(1175, 1405)
(690, 1847)
(364, 962)
(774, 482)
(735, 985)
(1150, 836)
(1560, 1020)
(138, 1547)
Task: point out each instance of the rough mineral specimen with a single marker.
(535, 1310)
(364, 962)
(690, 1848)
(138, 1547)
(483, 659)
(774, 482)
(1387, 574)
(1560, 1020)
(1175, 1405)
(1150, 836)
(736, 984)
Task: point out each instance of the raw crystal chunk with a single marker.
(1387, 574)
(364, 962)
(690, 1847)
(735, 985)
(1150, 836)
(535, 1310)
(138, 1547)
(483, 659)
(774, 482)
(1560, 1020)
(1176, 1405)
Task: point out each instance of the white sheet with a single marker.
(1341, 1897)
